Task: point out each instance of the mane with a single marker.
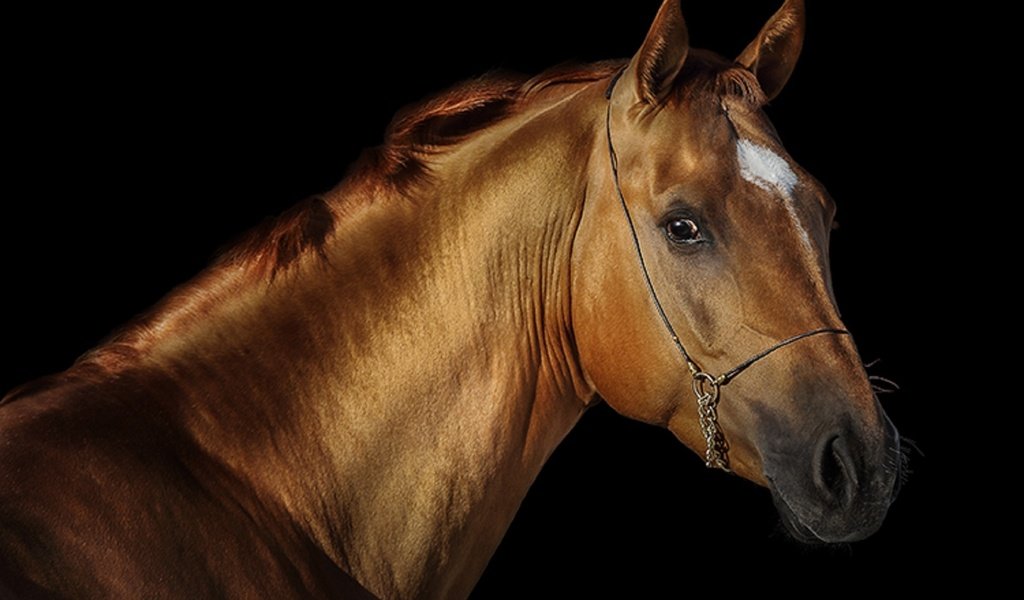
(279, 241)
(415, 133)
(428, 127)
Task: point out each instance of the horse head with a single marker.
(732, 239)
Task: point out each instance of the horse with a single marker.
(354, 400)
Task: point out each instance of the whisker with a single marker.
(887, 386)
(872, 363)
(907, 446)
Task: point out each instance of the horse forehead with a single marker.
(763, 165)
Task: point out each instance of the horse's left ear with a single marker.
(773, 53)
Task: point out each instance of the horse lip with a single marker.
(796, 527)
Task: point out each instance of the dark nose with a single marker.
(835, 470)
(835, 484)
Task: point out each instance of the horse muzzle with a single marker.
(839, 489)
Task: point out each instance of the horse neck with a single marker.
(398, 395)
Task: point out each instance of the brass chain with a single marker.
(716, 449)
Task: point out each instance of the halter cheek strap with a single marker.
(706, 387)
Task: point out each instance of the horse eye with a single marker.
(682, 231)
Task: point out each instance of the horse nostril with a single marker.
(835, 475)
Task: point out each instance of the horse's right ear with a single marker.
(654, 68)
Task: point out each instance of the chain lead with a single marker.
(716, 450)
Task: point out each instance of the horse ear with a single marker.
(773, 53)
(660, 59)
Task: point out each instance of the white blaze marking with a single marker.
(770, 172)
(764, 168)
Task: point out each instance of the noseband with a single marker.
(706, 387)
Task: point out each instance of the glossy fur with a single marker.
(359, 396)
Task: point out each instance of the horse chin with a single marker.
(794, 527)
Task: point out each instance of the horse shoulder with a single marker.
(102, 494)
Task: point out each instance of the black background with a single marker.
(138, 144)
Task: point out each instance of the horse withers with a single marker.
(354, 401)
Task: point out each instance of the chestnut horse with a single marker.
(354, 401)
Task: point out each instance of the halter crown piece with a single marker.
(706, 387)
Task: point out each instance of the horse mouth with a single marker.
(791, 522)
(821, 530)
